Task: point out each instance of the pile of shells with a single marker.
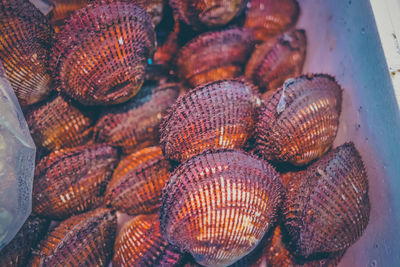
(179, 167)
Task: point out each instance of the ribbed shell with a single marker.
(277, 59)
(137, 182)
(327, 207)
(58, 124)
(268, 18)
(25, 39)
(135, 124)
(63, 9)
(72, 181)
(83, 240)
(300, 120)
(101, 54)
(214, 56)
(216, 115)
(18, 251)
(218, 206)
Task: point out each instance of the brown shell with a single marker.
(135, 124)
(137, 182)
(214, 56)
(62, 9)
(25, 38)
(268, 18)
(83, 240)
(300, 120)
(219, 205)
(277, 59)
(58, 124)
(327, 207)
(72, 181)
(18, 251)
(101, 54)
(216, 115)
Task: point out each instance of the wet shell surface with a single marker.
(277, 59)
(101, 54)
(135, 124)
(219, 205)
(216, 115)
(214, 56)
(83, 240)
(300, 120)
(25, 39)
(58, 124)
(137, 182)
(327, 208)
(18, 251)
(72, 181)
(268, 18)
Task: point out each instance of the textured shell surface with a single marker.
(135, 124)
(82, 240)
(214, 56)
(219, 205)
(18, 251)
(300, 120)
(62, 9)
(24, 42)
(212, 116)
(101, 54)
(58, 124)
(72, 181)
(277, 59)
(268, 18)
(137, 182)
(327, 208)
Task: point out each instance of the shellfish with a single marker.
(327, 208)
(212, 116)
(218, 206)
(100, 56)
(300, 120)
(73, 180)
(62, 9)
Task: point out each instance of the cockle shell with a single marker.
(300, 120)
(214, 56)
(82, 240)
(137, 182)
(218, 206)
(212, 116)
(327, 206)
(277, 59)
(101, 54)
(62, 9)
(73, 180)
(24, 42)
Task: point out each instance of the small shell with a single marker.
(63, 9)
(168, 50)
(58, 124)
(25, 38)
(134, 125)
(327, 207)
(18, 251)
(268, 18)
(300, 120)
(277, 59)
(218, 206)
(212, 116)
(137, 182)
(214, 56)
(94, 71)
(83, 240)
(72, 181)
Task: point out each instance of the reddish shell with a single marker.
(72, 181)
(277, 59)
(62, 9)
(212, 116)
(300, 120)
(214, 56)
(168, 50)
(219, 205)
(327, 207)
